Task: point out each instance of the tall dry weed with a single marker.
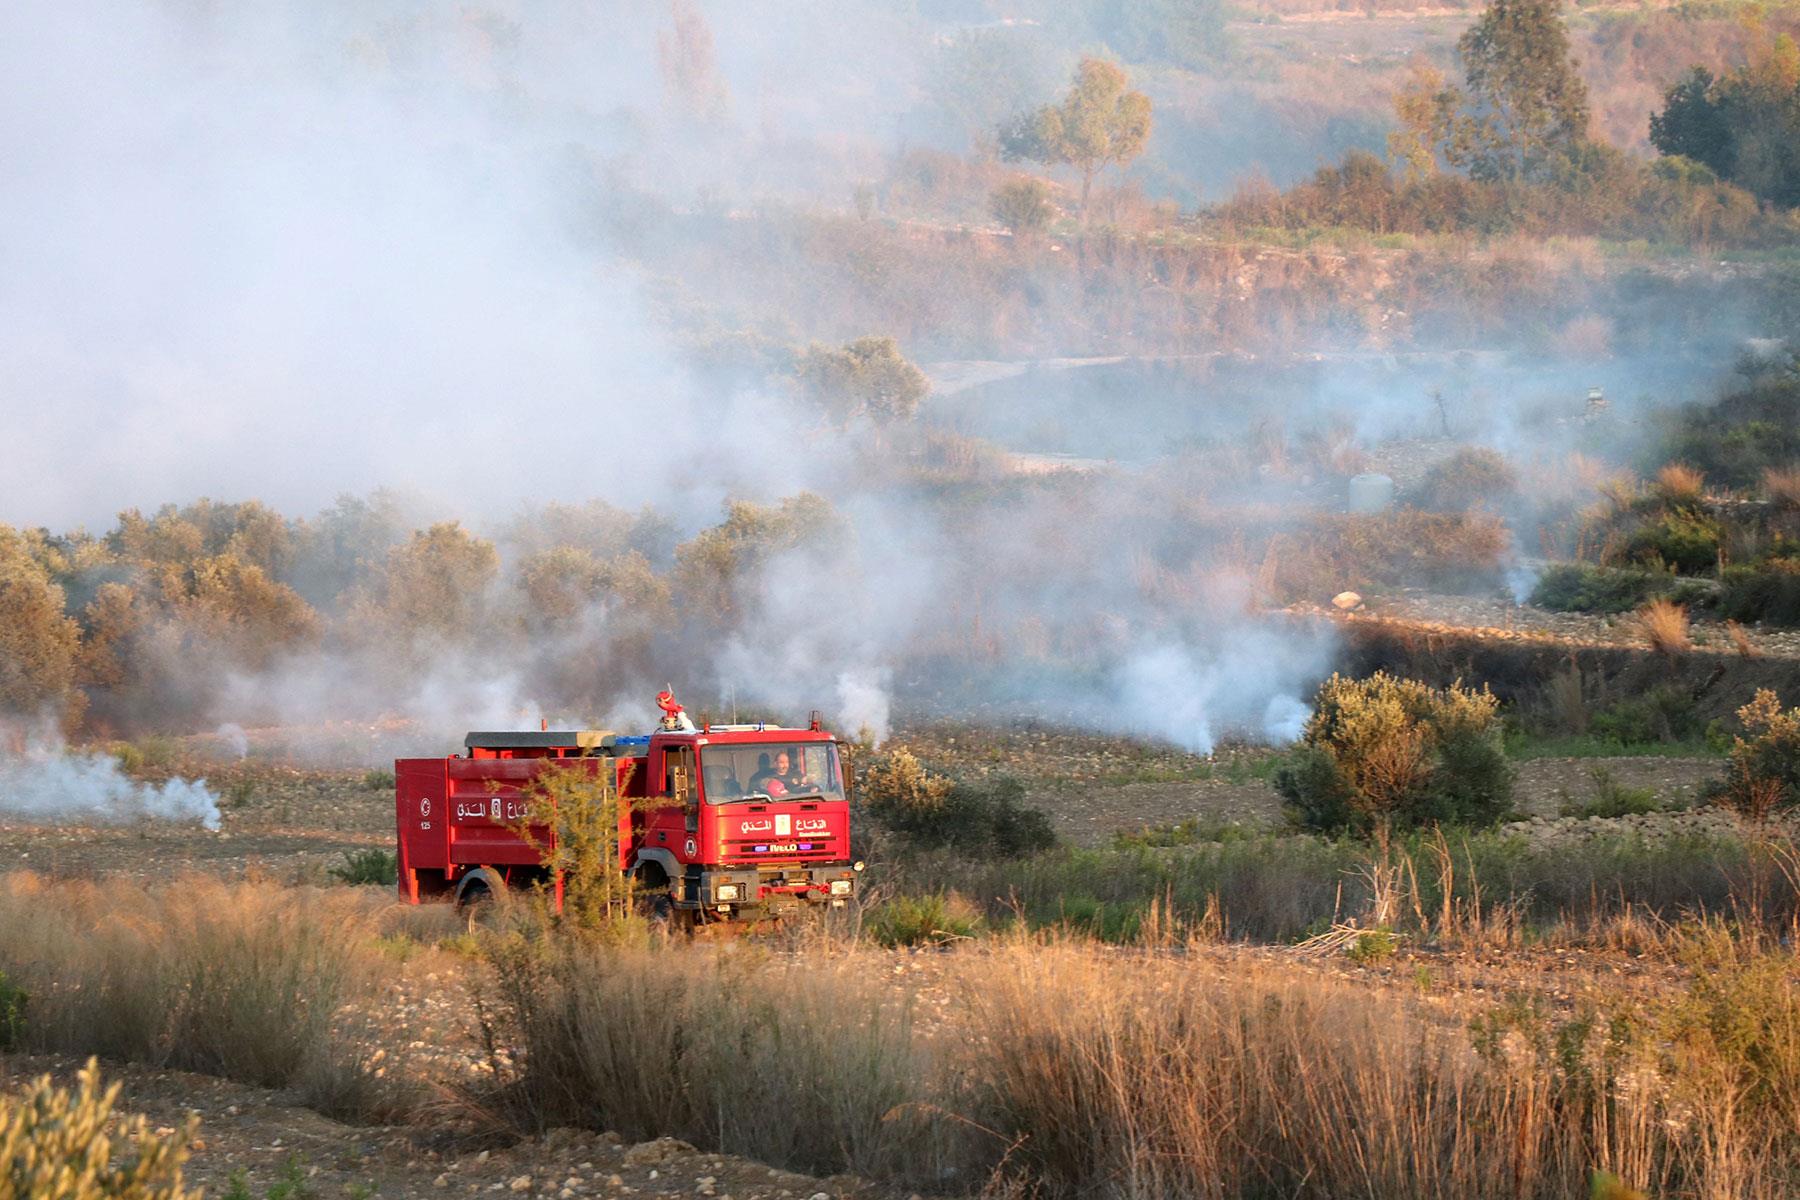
(1057, 1068)
(805, 1063)
(1783, 485)
(239, 980)
(1678, 483)
(1664, 626)
(1154, 1080)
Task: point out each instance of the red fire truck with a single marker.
(753, 820)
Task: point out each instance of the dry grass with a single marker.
(1061, 1069)
(1740, 640)
(246, 981)
(793, 1061)
(1664, 625)
(1678, 483)
(1783, 485)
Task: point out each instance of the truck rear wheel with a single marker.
(479, 894)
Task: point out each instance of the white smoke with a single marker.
(864, 702)
(41, 778)
(233, 738)
(1249, 684)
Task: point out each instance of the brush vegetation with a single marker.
(58, 1143)
(1384, 754)
(1076, 1072)
(246, 981)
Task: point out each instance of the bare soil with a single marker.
(265, 1140)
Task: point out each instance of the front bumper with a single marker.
(731, 888)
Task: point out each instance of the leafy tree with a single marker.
(1523, 110)
(345, 546)
(563, 583)
(1102, 122)
(436, 584)
(1530, 107)
(713, 569)
(238, 610)
(1023, 206)
(38, 641)
(1693, 125)
(1383, 754)
(1426, 107)
(867, 377)
(690, 68)
(1744, 125)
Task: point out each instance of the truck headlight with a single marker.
(726, 891)
(840, 887)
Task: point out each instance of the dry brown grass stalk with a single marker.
(1783, 485)
(1664, 625)
(1678, 483)
(246, 980)
(1740, 640)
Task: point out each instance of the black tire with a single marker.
(477, 899)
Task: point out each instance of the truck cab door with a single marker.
(679, 785)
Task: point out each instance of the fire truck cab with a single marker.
(748, 820)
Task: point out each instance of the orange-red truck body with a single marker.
(712, 844)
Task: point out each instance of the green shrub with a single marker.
(1373, 946)
(985, 817)
(12, 1013)
(1732, 1042)
(378, 780)
(1190, 832)
(1385, 753)
(1664, 714)
(1767, 592)
(368, 866)
(157, 753)
(60, 1145)
(1687, 542)
(1763, 775)
(1473, 476)
(924, 920)
(1747, 432)
(1611, 798)
(1580, 587)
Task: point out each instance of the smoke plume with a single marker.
(41, 778)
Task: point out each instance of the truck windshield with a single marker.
(777, 770)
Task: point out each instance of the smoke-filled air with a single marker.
(505, 363)
(1072, 599)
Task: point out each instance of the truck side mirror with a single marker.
(681, 787)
